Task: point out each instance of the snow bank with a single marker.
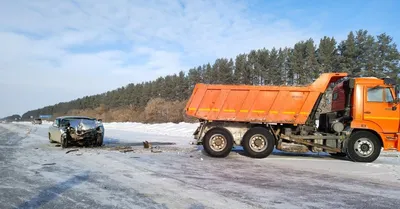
(166, 129)
(44, 122)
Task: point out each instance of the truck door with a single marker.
(380, 109)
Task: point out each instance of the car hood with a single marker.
(83, 124)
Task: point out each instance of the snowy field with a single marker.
(37, 174)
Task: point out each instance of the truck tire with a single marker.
(218, 142)
(258, 142)
(363, 146)
(338, 154)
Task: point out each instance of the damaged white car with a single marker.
(79, 130)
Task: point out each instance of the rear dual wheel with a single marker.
(258, 142)
(218, 142)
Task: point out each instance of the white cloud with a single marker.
(76, 49)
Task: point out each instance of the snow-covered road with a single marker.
(36, 174)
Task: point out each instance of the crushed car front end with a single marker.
(84, 131)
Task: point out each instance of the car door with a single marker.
(51, 130)
(379, 108)
(55, 130)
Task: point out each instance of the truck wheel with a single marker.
(258, 142)
(338, 154)
(363, 146)
(218, 142)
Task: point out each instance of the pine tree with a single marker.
(194, 77)
(327, 55)
(208, 74)
(348, 56)
(263, 67)
(275, 72)
(388, 57)
(254, 67)
(296, 63)
(223, 70)
(366, 53)
(311, 64)
(283, 68)
(242, 74)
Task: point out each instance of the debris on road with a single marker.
(156, 149)
(72, 150)
(49, 164)
(127, 150)
(123, 149)
(146, 145)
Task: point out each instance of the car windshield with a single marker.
(74, 122)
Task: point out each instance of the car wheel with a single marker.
(99, 140)
(64, 141)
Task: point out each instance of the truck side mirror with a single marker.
(395, 102)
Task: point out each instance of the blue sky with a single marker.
(61, 50)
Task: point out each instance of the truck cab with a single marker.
(372, 105)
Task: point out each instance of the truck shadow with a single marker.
(321, 155)
(50, 193)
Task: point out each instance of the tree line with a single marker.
(163, 99)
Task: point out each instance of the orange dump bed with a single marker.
(271, 104)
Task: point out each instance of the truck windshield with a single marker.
(380, 94)
(388, 95)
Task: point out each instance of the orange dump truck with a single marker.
(363, 118)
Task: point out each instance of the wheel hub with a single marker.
(218, 142)
(364, 147)
(258, 143)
